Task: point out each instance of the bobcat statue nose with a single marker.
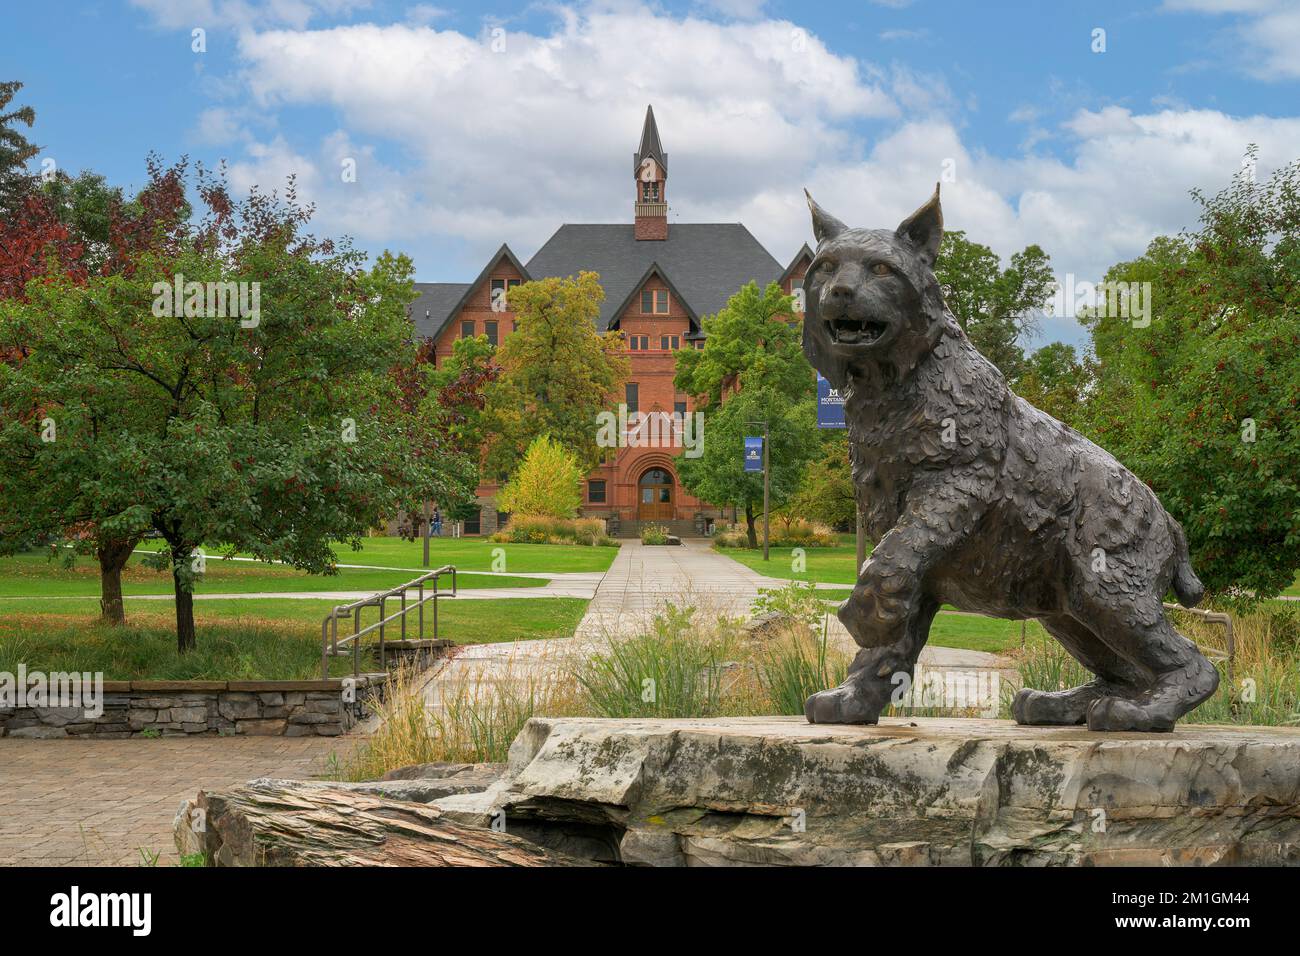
(840, 294)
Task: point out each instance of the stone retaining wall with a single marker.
(179, 708)
(266, 708)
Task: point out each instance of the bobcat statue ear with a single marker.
(924, 229)
(825, 226)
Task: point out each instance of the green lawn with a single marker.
(470, 554)
(273, 639)
(34, 574)
(824, 565)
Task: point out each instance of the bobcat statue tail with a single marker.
(1187, 585)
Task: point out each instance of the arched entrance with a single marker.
(655, 496)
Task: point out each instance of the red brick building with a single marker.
(659, 278)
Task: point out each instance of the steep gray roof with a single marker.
(434, 304)
(803, 251)
(706, 262)
(437, 304)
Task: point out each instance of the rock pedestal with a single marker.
(915, 792)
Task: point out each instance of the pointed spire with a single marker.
(650, 145)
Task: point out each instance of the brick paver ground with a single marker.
(97, 803)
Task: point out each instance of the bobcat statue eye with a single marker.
(881, 269)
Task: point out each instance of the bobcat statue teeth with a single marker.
(980, 500)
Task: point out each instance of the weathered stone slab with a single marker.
(924, 791)
(296, 823)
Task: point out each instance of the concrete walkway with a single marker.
(102, 802)
(570, 584)
(643, 578)
(640, 582)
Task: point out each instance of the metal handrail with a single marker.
(329, 632)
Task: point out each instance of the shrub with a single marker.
(541, 529)
(654, 534)
(798, 664)
(675, 668)
(545, 483)
(797, 599)
(795, 533)
(732, 536)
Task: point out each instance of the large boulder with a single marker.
(924, 791)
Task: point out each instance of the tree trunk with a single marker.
(185, 639)
(113, 556)
(749, 525)
(309, 823)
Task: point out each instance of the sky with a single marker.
(1081, 127)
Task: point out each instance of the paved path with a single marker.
(570, 584)
(645, 577)
(640, 582)
(98, 803)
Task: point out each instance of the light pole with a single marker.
(767, 462)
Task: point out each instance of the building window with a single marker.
(654, 301)
(630, 397)
(501, 287)
(638, 343)
(467, 329)
(670, 342)
(596, 491)
(490, 327)
(679, 408)
(650, 192)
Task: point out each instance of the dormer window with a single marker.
(654, 301)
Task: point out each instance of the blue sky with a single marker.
(460, 143)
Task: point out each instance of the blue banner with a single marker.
(830, 405)
(754, 454)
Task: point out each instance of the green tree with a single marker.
(752, 368)
(1202, 403)
(995, 306)
(15, 150)
(557, 372)
(1057, 380)
(718, 475)
(751, 342)
(546, 483)
(275, 431)
(825, 491)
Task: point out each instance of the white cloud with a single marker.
(1268, 31)
(508, 144)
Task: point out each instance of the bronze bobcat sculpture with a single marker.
(980, 500)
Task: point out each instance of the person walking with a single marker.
(437, 522)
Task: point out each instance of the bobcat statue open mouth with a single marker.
(846, 330)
